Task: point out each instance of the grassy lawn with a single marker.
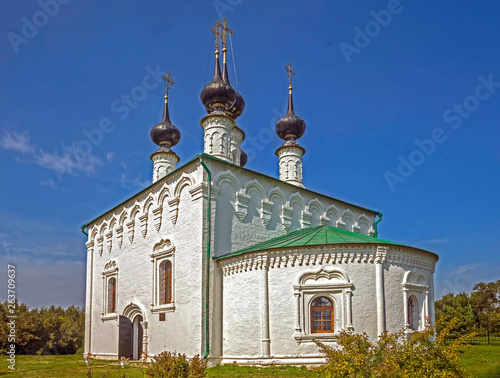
(74, 366)
(482, 360)
(479, 361)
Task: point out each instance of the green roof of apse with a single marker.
(317, 235)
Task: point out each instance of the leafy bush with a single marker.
(173, 365)
(394, 355)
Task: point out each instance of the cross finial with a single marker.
(291, 73)
(216, 31)
(225, 30)
(169, 83)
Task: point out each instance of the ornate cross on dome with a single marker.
(216, 31)
(169, 82)
(291, 73)
(225, 30)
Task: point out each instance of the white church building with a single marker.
(218, 260)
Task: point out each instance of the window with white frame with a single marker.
(415, 301)
(323, 305)
(110, 291)
(163, 277)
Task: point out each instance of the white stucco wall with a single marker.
(252, 208)
(183, 227)
(244, 326)
(329, 272)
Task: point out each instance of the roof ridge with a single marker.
(311, 236)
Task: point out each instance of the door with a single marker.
(125, 338)
(137, 337)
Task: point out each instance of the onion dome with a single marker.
(243, 158)
(239, 104)
(218, 94)
(291, 127)
(165, 134)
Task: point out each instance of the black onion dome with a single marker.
(291, 126)
(218, 94)
(243, 158)
(165, 133)
(239, 104)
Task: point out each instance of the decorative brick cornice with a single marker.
(313, 256)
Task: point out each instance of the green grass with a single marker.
(480, 361)
(68, 366)
(250, 371)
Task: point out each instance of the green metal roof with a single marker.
(317, 235)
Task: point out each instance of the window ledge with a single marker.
(316, 336)
(111, 316)
(169, 307)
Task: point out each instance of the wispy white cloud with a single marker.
(20, 142)
(109, 157)
(50, 183)
(70, 160)
(45, 254)
(462, 278)
(435, 241)
(137, 182)
(4, 243)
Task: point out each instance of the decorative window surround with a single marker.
(110, 271)
(410, 289)
(323, 283)
(163, 251)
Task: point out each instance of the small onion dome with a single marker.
(217, 95)
(291, 126)
(165, 134)
(243, 158)
(239, 104)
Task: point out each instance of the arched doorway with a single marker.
(131, 332)
(137, 333)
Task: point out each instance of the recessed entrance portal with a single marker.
(131, 332)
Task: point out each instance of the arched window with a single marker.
(322, 315)
(111, 295)
(165, 282)
(413, 318)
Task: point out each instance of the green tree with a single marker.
(26, 326)
(457, 306)
(486, 302)
(52, 330)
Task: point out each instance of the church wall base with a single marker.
(312, 360)
(105, 356)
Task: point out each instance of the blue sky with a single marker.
(401, 101)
